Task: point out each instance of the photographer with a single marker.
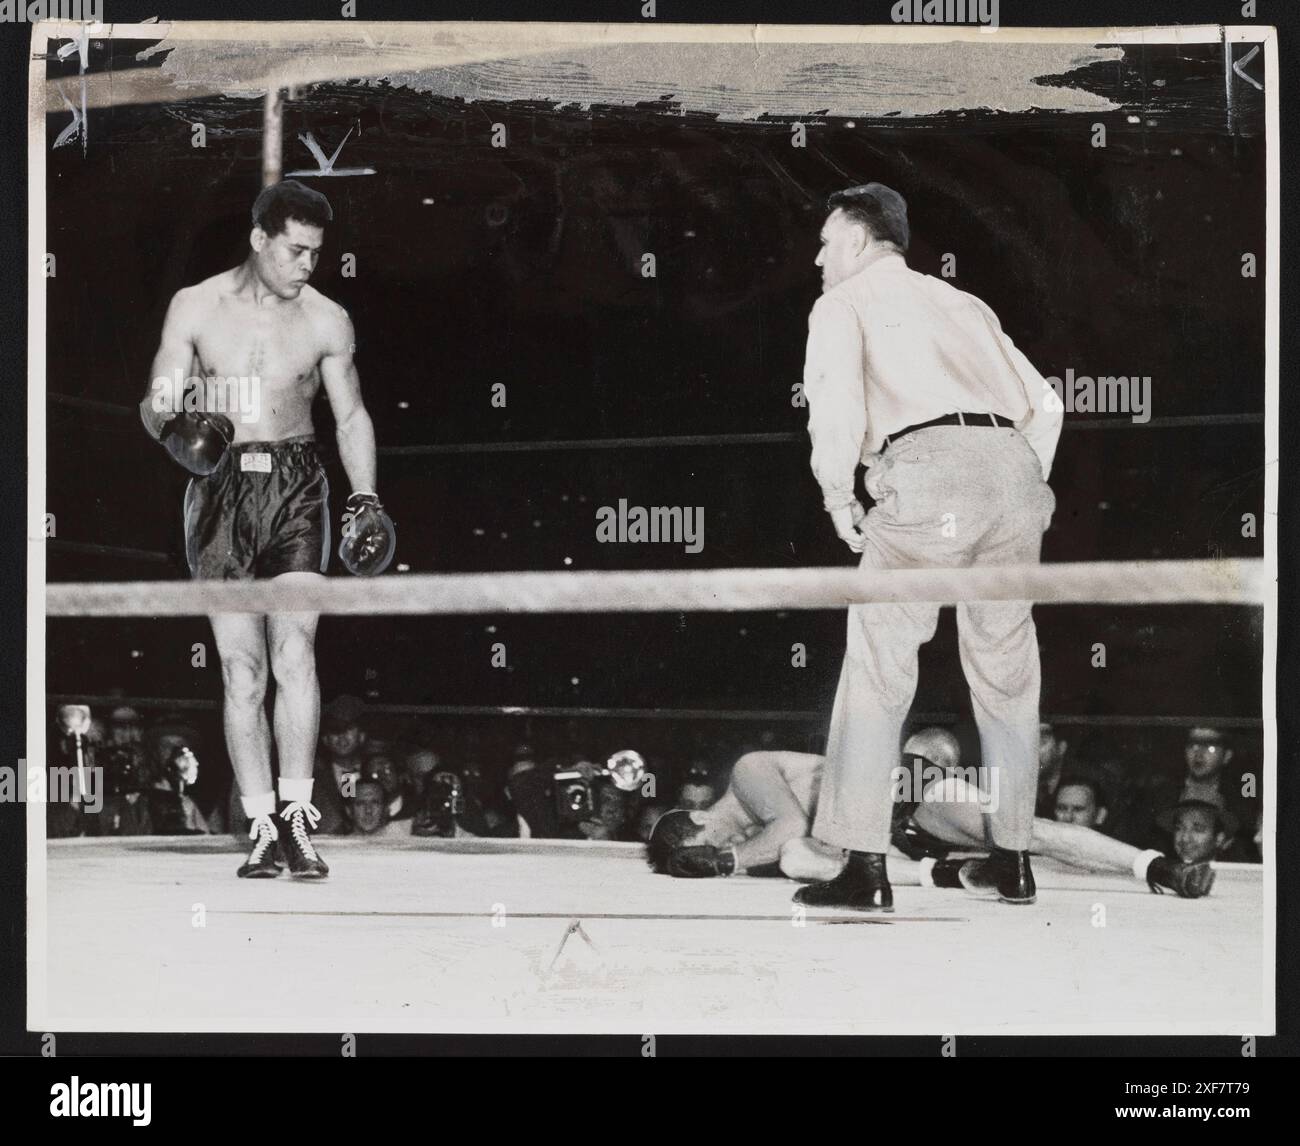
(697, 791)
(443, 810)
(126, 778)
(613, 816)
(533, 795)
(571, 803)
(171, 755)
(72, 790)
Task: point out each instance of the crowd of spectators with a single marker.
(1209, 808)
(378, 777)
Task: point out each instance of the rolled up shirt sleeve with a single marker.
(835, 389)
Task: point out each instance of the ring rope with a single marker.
(1232, 581)
(774, 438)
(660, 441)
(794, 716)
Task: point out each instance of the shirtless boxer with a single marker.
(765, 816)
(254, 345)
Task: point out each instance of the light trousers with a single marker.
(946, 497)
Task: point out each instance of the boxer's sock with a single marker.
(254, 806)
(1142, 861)
(295, 791)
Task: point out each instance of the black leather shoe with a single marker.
(295, 842)
(947, 872)
(261, 862)
(862, 886)
(1004, 874)
(1189, 880)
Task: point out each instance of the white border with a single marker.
(36, 462)
(538, 37)
(1271, 522)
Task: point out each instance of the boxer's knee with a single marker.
(293, 658)
(747, 767)
(243, 678)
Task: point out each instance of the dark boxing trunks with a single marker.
(909, 838)
(264, 511)
(916, 843)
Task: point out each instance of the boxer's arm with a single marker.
(725, 822)
(759, 784)
(355, 431)
(172, 361)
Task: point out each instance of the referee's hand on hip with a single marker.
(846, 521)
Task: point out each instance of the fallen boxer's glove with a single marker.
(1190, 880)
(369, 536)
(700, 862)
(198, 440)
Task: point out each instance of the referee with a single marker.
(916, 380)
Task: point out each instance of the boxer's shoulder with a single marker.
(211, 289)
(202, 302)
(191, 302)
(328, 318)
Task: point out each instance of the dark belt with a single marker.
(995, 421)
(303, 444)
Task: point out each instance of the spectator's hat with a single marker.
(1226, 820)
(1088, 775)
(172, 726)
(1203, 734)
(342, 713)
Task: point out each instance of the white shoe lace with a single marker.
(298, 824)
(264, 832)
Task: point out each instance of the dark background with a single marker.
(524, 270)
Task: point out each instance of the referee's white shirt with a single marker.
(890, 347)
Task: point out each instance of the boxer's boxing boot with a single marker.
(261, 862)
(1004, 873)
(298, 818)
(863, 885)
